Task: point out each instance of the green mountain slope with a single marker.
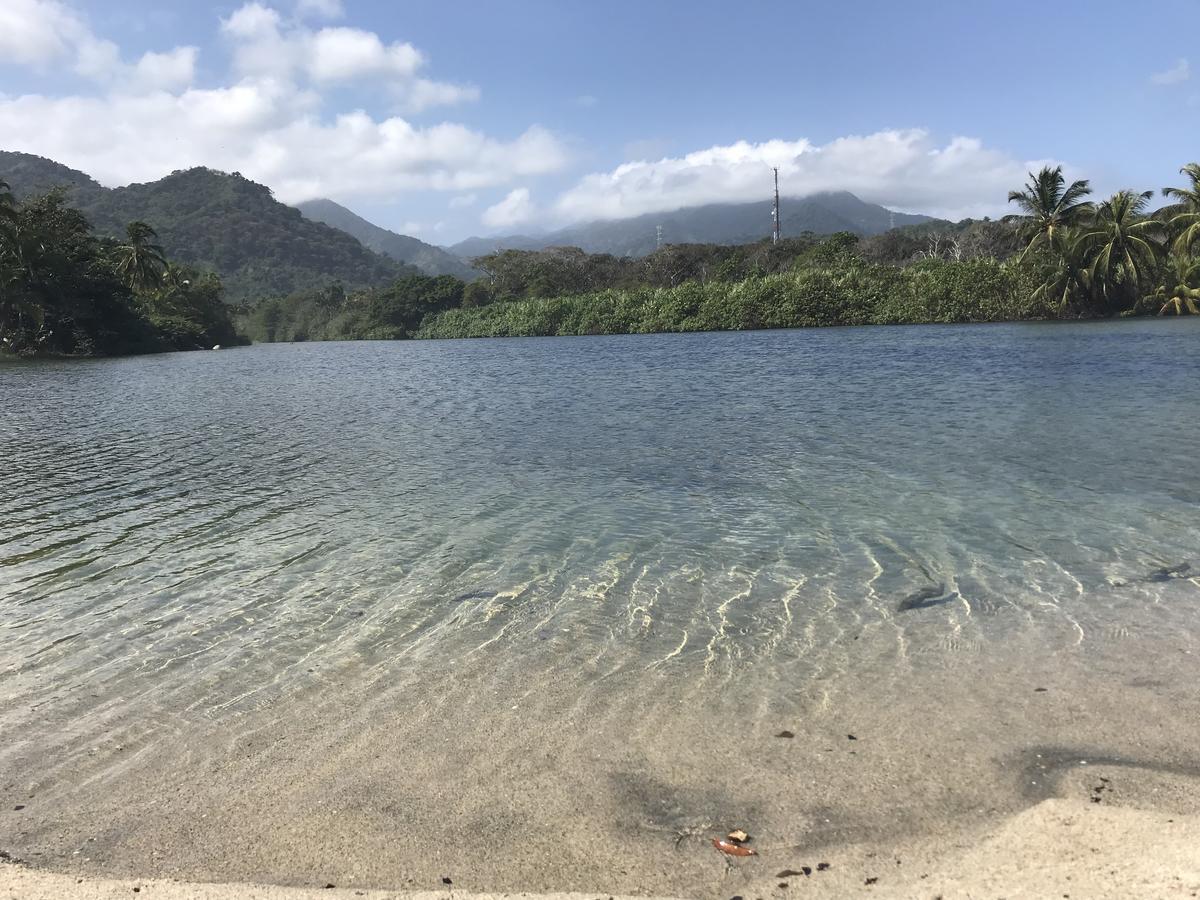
(216, 221)
(429, 259)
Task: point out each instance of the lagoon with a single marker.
(547, 603)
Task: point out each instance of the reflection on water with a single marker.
(203, 534)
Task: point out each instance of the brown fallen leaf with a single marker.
(738, 836)
(733, 849)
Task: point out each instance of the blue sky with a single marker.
(465, 118)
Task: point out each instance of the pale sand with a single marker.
(1059, 848)
(974, 766)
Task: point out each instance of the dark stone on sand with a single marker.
(1039, 690)
(933, 595)
(786, 734)
(870, 881)
(330, 886)
(19, 807)
(475, 595)
(807, 870)
(787, 873)
(447, 881)
(821, 867)
(851, 737)
(1166, 573)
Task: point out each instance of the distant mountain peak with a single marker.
(713, 223)
(401, 247)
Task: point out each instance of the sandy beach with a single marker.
(1058, 848)
(1028, 775)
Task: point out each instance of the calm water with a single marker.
(199, 529)
(546, 603)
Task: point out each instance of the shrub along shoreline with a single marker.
(1061, 257)
(929, 292)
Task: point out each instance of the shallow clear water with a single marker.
(197, 537)
(700, 503)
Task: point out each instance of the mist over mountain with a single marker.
(429, 259)
(722, 223)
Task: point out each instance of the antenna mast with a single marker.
(775, 212)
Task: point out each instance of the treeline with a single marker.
(1060, 256)
(331, 314)
(64, 291)
(842, 291)
(568, 274)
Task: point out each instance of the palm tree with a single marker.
(1069, 283)
(139, 261)
(1123, 246)
(1050, 210)
(1184, 214)
(1181, 294)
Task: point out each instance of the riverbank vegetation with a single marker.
(63, 291)
(1061, 255)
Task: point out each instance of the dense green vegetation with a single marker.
(216, 222)
(329, 314)
(65, 291)
(1062, 256)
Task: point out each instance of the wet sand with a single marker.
(992, 769)
(1058, 848)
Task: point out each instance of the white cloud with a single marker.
(1177, 74)
(269, 121)
(253, 20)
(515, 209)
(325, 9)
(343, 54)
(463, 200)
(906, 170)
(265, 46)
(167, 71)
(38, 32)
(419, 95)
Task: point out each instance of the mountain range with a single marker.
(720, 223)
(260, 247)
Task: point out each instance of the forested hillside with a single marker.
(429, 259)
(218, 222)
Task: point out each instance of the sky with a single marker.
(449, 119)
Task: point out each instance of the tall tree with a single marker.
(141, 261)
(1123, 247)
(1050, 208)
(8, 206)
(1183, 215)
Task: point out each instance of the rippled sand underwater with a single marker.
(484, 585)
